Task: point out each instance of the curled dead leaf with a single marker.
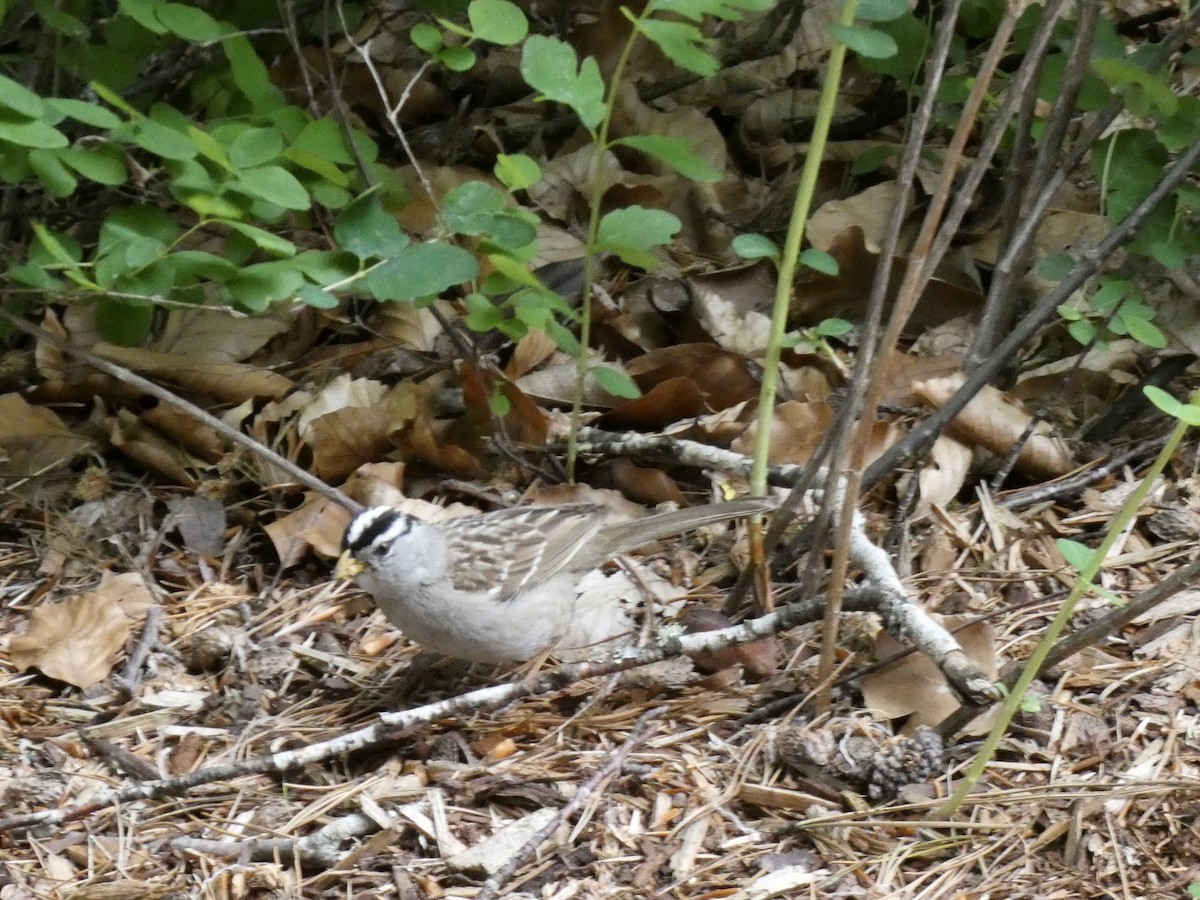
(995, 422)
(75, 640)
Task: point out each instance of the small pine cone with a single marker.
(798, 747)
(906, 761)
(1176, 523)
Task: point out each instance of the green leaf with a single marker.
(264, 240)
(632, 231)
(129, 223)
(866, 42)
(755, 246)
(327, 267)
(1145, 332)
(123, 322)
(257, 287)
(89, 113)
(103, 165)
(189, 22)
(675, 152)
(112, 98)
(313, 296)
(255, 147)
(57, 249)
(325, 138)
(209, 206)
(317, 165)
(833, 327)
(477, 208)
(209, 147)
(425, 37)
(497, 21)
(819, 261)
(615, 382)
(517, 171)
(20, 99)
(142, 12)
(1170, 254)
(52, 173)
(550, 67)
(682, 43)
(1076, 555)
(458, 58)
(163, 141)
(482, 314)
(366, 230)
(57, 20)
(422, 270)
(31, 133)
(250, 75)
(869, 161)
(1056, 267)
(275, 185)
(200, 266)
(880, 10)
(728, 10)
(1119, 74)
(1083, 331)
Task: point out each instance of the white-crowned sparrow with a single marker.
(503, 585)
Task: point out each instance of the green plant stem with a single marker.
(1036, 659)
(790, 257)
(589, 253)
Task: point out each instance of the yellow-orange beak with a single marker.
(347, 566)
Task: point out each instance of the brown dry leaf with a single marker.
(405, 325)
(34, 440)
(524, 422)
(869, 210)
(1059, 230)
(643, 484)
(128, 590)
(723, 377)
(796, 430)
(913, 686)
(144, 445)
(944, 475)
(901, 369)
(535, 348)
(844, 295)
(76, 640)
(376, 484)
(343, 440)
(670, 401)
(351, 421)
(227, 382)
(318, 523)
(219, 335)
(191, 434)
(994, 422)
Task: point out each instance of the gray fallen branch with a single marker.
(665, 450)
(320, 850)
(902, 618)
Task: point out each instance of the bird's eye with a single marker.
(379, 551)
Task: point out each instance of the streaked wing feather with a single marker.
(523, 546)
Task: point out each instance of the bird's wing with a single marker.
(504, 552)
